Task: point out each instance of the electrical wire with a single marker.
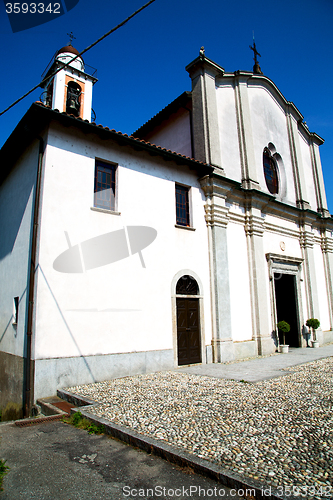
(78, 55)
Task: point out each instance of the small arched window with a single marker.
(270, 172)
(73, 101)
(187, 285)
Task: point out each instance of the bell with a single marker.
(73, 105)
(73, 100)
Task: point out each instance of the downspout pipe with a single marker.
(29, 366)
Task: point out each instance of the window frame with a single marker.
(273, 169)
(16, 305)
(182, 221)
(113, 169)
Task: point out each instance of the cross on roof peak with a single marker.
(71, 37)
(256, 67)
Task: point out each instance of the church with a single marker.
(186, 242)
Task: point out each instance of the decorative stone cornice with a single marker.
(275, 257)
(236, 217)
(282, 231)
(279, 263)
(250, 184)
(324, 212)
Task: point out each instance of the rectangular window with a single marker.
(182, 205)
(105, 185)
(15, 310)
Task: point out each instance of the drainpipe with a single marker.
(29, 368)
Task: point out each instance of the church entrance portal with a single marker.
(188, 321)
(286, 306)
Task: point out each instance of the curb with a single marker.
(42, 420)
(172, 454)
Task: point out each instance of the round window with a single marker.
(270, 172)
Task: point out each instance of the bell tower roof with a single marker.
(68, 48)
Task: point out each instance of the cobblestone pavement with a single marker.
(278, 431)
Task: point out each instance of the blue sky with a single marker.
(141, 67)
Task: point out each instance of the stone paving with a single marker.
(278, 431)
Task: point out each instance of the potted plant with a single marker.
(283, 327)
(313, 323)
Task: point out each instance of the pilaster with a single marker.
(254, 230)
(306, 240)
(327, 249)
(205, 126)
(217, 222)
(296, 160)
(245, 136)
(318, 179)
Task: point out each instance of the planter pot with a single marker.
(284, 348)
(315, 343)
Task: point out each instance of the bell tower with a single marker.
(70, 89)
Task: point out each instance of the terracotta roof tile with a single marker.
(131, 137)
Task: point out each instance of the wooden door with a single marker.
(188, 331)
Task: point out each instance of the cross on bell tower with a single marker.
(256, 67)
(71, 37)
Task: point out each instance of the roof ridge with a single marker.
(187, 93)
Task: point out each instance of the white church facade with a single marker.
(184, 243)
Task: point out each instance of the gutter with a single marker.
(28, 365)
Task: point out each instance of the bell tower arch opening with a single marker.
(73, 98)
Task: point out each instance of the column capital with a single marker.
(326, 244)
(216, 215)
(254, 225)
(214, 187)
(306, 239)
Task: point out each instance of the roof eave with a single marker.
(38, 117)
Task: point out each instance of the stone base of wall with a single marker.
(267, 346)
(11, 385)
(59, 373)
(245, 349)
(327, 337)
(209, 354)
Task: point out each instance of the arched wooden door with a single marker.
(188, 322)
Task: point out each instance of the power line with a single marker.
(79, 55)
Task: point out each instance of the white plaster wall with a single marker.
(16, 204)
(273, 241)
(269, 125)
(308, 172)
(230, 153)
(240, 300)
(59, 91)
(322, 289)
(88, 91)
(65, 57)
(281, 223)
(121, 307)
(174, 133)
